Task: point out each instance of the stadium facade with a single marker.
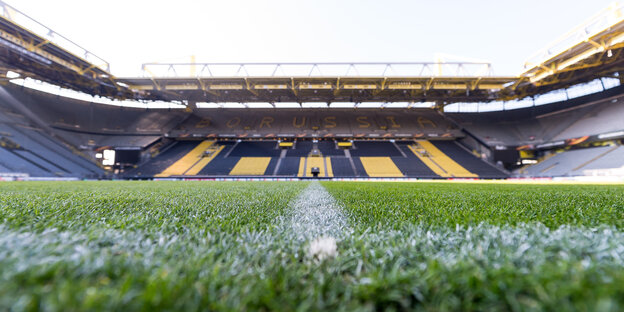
(562, 117)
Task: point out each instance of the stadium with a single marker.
(312, 185)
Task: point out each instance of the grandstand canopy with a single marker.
(48, 56)
(321, 82)
(590, 51)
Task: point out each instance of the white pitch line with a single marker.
(315, 214)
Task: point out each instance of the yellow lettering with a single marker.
(422, 121)
(266, 121)
(363, 121)
(299, 125)
(393, 122)
(330, 122)
(233, 122)
(203, 123)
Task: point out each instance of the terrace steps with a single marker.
(380, 167)
(307, 163)
(184, 164)
(450, 167)
(204, 161)
(251, 166)
(429, 162)
(595, 158)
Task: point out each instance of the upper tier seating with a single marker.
(80, 122)
(587, 115)
(314, 123)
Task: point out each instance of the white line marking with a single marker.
(315, 213)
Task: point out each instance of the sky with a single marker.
(127, 33)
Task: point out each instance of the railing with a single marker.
(594, 25)
(407, 69)
(24, 21)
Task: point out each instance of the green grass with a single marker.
(164, 207)
(448, 204)
(86, 246)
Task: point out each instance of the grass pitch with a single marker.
(244, 246)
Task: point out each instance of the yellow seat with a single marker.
(251, 166)
(182, 165)
(380, 167)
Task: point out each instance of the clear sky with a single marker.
(128, 33)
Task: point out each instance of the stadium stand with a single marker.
(165, 159)
(468, 161)
(359, 168)
(86, 140)
(221, 165)
(300, 149)
(568, 163)
(256, 149)
(342, 167)
(84, 123)
(411, 165)
(193, 161)
(414, 159)
(437, 161)
(307, 163)
(380, 167)
(17, 164)
(374, 148)
(328, 148)
(612, 159)
(49, 135)
(28, 150)
(586, 115)
(78, 124)
(247, 166)
(88, 125)
(272, 166)
(602, 118)
(314, 123)
(289, 167)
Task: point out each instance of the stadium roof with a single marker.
(320, 82)
(590, 51)
(48, 56)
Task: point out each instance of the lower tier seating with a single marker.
(468, 160)
(412, 159)
(578, 162)
(30, 151)
(342, 167)
(289, 167)
(413, 167)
